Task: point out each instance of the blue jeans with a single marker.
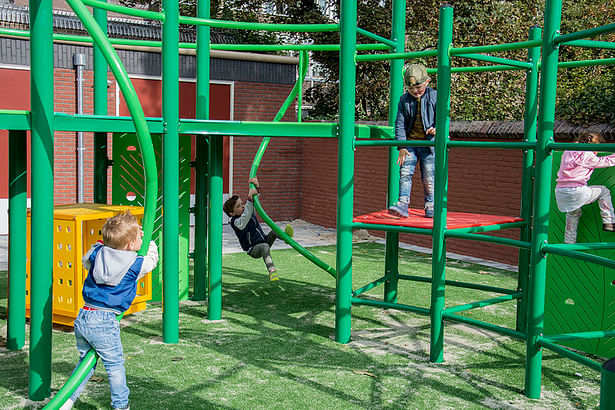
(101, 331)
(428, 165)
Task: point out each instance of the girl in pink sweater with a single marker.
(572, 191)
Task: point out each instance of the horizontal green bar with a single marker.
(483, 325)
(146, 14)
(101, 123)
(598, 260)
(394, 143)
(592, 32)
(387, 305)
(487, 238)
(293, 47)
(277, 129)
(591, 44)
(483, 303)
(245, 25)
(369, 286)
(586, 63)
(573, 146)
(489, 228)
(376, 37)
(496, 47)
(14, 120)
(570, 354)
(492, 144)
(397, 56)
(466, 285)
(485, 68)
(584, 246)
(392, 228)
(597, 334)
(492, 59)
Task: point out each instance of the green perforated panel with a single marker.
(128, 185)
(580, 296)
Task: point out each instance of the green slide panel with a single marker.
(128, 190)
(580, 296)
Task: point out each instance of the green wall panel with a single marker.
(128, 185)
(580, 296)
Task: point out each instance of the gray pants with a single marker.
(603, 196)
(262, 250)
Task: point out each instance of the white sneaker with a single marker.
(68, 404)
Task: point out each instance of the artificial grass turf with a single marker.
(274, 347)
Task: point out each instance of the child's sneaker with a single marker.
(68, 404)
(399, 209)
(273, 276)
(289, 230)
(609, 227)
(429, 211)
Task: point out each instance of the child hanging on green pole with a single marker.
(249, 232)
(572, 191)
(416, 120)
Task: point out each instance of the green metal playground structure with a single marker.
(537, 147)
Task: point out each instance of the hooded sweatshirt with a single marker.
(111, 284)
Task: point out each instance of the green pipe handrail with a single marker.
(492, 59)
(245, 25)
(457, 284)
(575, 146)
(397, 56)
(146, 14)
(484, 325)
(483, 303)
(376, 37)
(598, 334)
(584, 246)
(598, 260)
(590, 44)
(389, 305)
(562, 351)
(149, 165)
(520, 45)
(370, 285)
(592, 32)
(392, 228)
(253, 170)
(487, 238)
(489, 228)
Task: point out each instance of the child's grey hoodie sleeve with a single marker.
(242, 221)
(150, 260)
(86, 258)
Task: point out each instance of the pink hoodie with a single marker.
(577, 167)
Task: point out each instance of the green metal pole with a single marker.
(438, 259)
(542, 195)
(345, 170)
(216, 186)
(170, 168)
(100, 108)
(607, 385)
(18, 193)
(41, 257)
(398, 35)
(527, 178)
(202, 154)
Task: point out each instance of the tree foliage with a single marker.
(584, 94)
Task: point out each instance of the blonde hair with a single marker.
(119, 230)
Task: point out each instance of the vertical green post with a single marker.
(170, 168)
(527, 186)
(18, 193)
(607, 385)
(345, 169)
(438, 259)
(100, 108)
(215, 183)
(41, 259)
(542, 196)
(398, 34)
(202, 154)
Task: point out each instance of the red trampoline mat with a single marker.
(416, 219)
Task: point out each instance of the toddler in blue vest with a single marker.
(249, 232)
(109, 289)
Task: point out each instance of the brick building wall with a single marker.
(280, 169)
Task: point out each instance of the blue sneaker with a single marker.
(429, 211)
(399, 209)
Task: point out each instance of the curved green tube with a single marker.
(149, 165)
(257, 159)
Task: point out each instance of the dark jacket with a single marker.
(247, 228)
(406, 114)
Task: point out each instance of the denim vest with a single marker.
(406, 114)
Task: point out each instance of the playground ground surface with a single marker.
(274, 346)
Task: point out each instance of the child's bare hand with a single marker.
(252, 192)
(431, 131)
(254, 181)
(402, 156)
